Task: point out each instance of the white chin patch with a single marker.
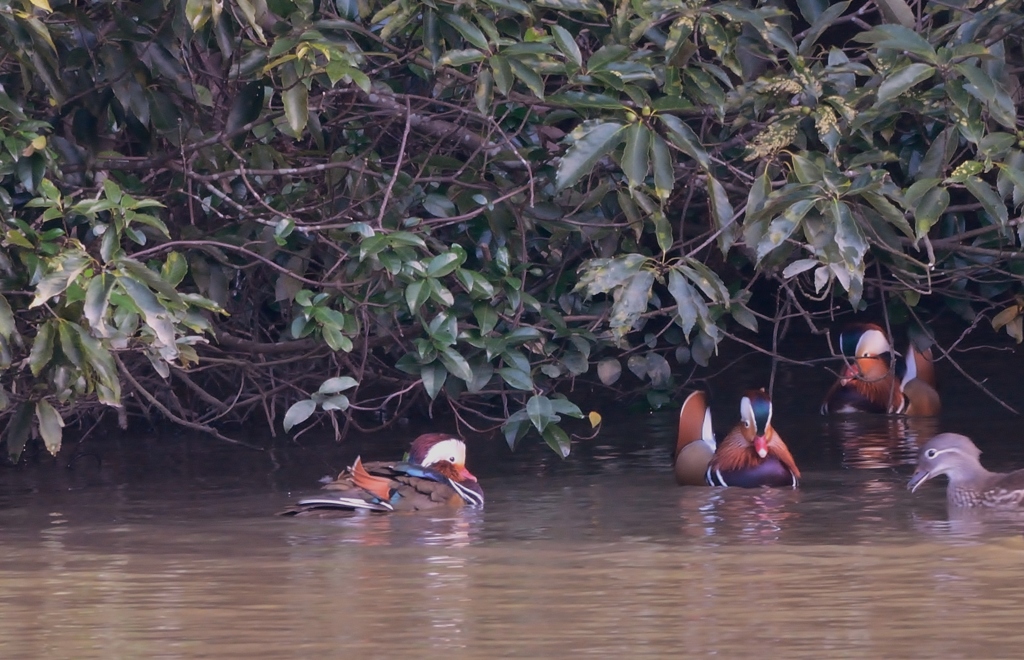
(762, 453)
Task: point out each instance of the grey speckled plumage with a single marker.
(970, 484)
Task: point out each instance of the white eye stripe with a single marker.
(452, 450)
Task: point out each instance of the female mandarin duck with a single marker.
(751, 455)
(970, 485)
(869, 384)
(433, 475)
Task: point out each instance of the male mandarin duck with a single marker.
(433, 475)
(869, 384)
(970, 485)
(751, 455)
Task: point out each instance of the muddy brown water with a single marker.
(167, 547)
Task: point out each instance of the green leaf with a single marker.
(296, 108)
(174, 269)
(989, 199)
(890, 213)
(469, 32)
(929, 209)
(461, 57)
(722, 212)
(335, 339)
(603, 275)
(566, 44)
(590, 146)
(557, 440)
(822, 20)
(690, 306)
(896, 11)
(456, 364)
(662, 231)
(588, 6)
(444, 264)
(18, 429)
(337, 384)
(630, 302)
(895, 84)
(299, 412)
(68, 343)
(515, 427)
(433, 376)
(636, 156)
(541, 412)
(486, 317)
(54, 284)
(51, 426)
(42, 348)
(683, 137)
(529, 76)
(7, 326)
(799, 266)
(503, 77)
(783, 227)
(516, 378)
(108, 386)
(576, 99)
(416, 293)
(664, 174)
(900, 38)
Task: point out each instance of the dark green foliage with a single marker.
(220, 205)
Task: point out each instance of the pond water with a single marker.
(168, 547)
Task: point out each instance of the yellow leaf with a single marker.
(1005, 316)
(42, 4)
(595, 419)
(39, 143)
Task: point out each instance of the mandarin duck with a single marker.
(869, 384)
(970, 485)
(432, 475)
(751, 455)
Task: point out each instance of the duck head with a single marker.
(756, 420)
(867, 352)
(445, 453)
(951, 454)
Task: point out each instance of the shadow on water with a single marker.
(168, 548)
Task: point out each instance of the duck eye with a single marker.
(451, 459)
(931, 453)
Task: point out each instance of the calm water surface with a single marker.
(170, 549)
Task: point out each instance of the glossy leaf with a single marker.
(51, 426)
(590, 146)
(636, 156)
(298, 413)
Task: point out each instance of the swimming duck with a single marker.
(432, 475)
(751, 455)
(869, 384)
(970, 485)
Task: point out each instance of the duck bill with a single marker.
(761, 446)
(919, 478)
(464, 474)
(850, 373)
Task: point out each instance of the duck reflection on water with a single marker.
(871, 442)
